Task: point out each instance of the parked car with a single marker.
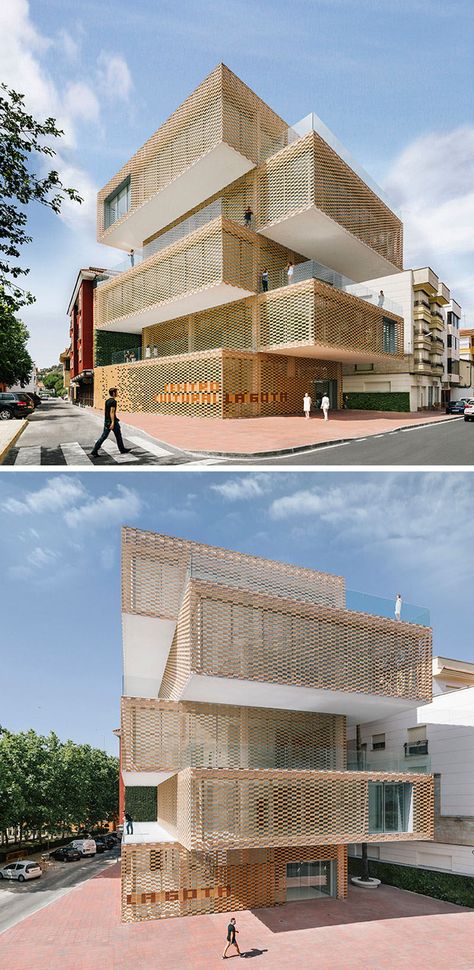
(110, 840)
(86, 847)
(469, 410)
(14, 404)
(21, 870)
(65, 853)
(456, 407)
(34, 397)
(100, 844)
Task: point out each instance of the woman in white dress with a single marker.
(325, 406)
(290, 269)
(307, 402)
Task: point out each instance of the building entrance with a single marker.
(310, 880)
(326, 387)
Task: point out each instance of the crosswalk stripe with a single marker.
(29, 455)
(150, 446)
(74, 454)
(205, 461)
(114, 453)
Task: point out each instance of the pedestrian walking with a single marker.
(132, 258)
(111, 423)
(265, 281)
(290, 269)
(307, 402)
(398, 607)
(381, 298)
(231, 941)
(248, 217)
(129, 823)
(325, 405)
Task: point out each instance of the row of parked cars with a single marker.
(465, 406)
(19, 404)
(25, 869)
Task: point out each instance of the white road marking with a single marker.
(74, 454)
(29, 455)
(149, 446)
(205, 461)
(114, 453)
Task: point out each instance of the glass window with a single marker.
(389, 806)
(378, 742)
(118, 204)
(389, 336)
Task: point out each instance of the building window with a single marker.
(389, 336)
(378, 742)
(390, 806)
(117, 204)
(363, 368)
(417, 742)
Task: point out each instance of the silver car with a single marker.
(21, 870)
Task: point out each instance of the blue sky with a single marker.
(392, 78)
(60, 553)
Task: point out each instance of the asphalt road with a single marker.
(19, 900)
(60, 433)
(449, 443)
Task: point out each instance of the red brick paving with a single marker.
(254, 435)
(383, 930)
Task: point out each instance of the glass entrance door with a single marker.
(329, 388)
(310, 880)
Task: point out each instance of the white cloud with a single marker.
(41, 557)
(114, 78)
(68, 45)
(58, 492)
(80, 102)
(106, 510)
(432, 183)
(246, 486)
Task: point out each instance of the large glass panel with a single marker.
(310, 880)
(389, 806)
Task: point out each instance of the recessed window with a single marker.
(117, 204)
(417, 742)
(390, 806)
(389, 336)
(378, 742)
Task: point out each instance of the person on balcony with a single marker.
(325, 405)
(129, 823)
(265, 281)
(111, 423)
(307, 403)
(248, 214)
(381, 298)
(132, 258)
(290, 269)
(398, 607)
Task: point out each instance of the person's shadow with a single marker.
(254, 952)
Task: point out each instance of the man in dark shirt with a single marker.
(231, 941)
(111, 423)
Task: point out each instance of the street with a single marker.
(17, 901)
(449, 443)
(60, 433)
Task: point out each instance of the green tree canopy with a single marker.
(22, 139)
(15, 362)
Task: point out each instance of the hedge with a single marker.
(378, 400)
(449, 886)
(141, 804)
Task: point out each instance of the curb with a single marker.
(318, 444)
(6, 448)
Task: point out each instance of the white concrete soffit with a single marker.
(146, 645)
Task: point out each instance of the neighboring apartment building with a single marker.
(466, 341)
(65, 361)
(248, 242)
(442, 734)
(81, 330)
(429, 371)
(240, 677)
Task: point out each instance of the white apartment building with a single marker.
(441, 735)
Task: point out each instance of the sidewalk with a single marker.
(244, 437)
(9, 432)
(389, 929)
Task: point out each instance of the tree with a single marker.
(54, 381)
(21, 138)
(15, 362)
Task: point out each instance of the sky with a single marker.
(60, 641)
(393, 79)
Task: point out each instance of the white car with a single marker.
(469, 410)
(86, 847)
(21, 870)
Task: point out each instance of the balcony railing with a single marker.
(311, 269)
(129, 356)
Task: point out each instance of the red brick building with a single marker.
(81, 315)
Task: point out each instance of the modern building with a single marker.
(81, 330)
(65, 361)
(427, 374)
(248, 242)
(442, 732)
(240, 679)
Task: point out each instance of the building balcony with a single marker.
(443, 296)
(213, 138)
(217, 809)
(313, 203)
(314, 318)
(208, 268)
(425, 279)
